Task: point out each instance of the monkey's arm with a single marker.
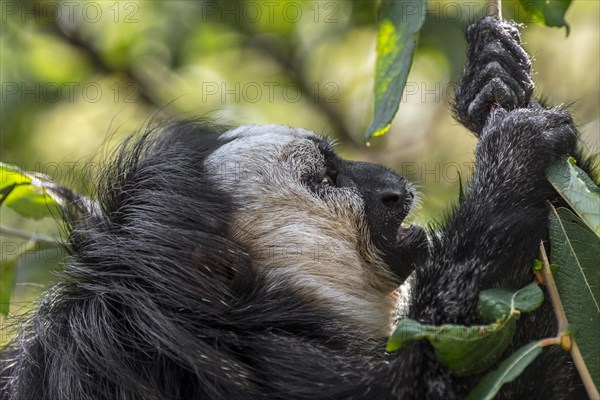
(491, 239)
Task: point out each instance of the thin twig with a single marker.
(550, 342)
(561, 317)
(496, 9)
(559, 311)
(38, 239)
(586, 378)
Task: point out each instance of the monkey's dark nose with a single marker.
(383, 190)
(393, 198)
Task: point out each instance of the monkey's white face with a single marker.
(302, 225)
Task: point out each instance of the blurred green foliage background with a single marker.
(77, 76)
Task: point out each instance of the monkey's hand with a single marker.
(514, 151)
(492, 237)
(497, 73)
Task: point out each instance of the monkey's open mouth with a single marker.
(404, 231)
(403, 245)
(409, 249)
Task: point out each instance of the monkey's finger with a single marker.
(559, 132)
(512, 30)
(495, 52)
(494, 72)
(494, 92)
(515, 49)
(490, 30)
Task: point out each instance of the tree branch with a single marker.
(495, 8)
(75, 41)
(561, 317)
(559, 311)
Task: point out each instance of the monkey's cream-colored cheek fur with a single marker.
(319, 244)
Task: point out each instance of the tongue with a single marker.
(403, 232)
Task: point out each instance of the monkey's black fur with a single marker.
(157, 303)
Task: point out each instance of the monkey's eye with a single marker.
(322, 178)
(328, 180)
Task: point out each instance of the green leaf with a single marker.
(578, 190)
(528, 299)
(507, 371)
(10, 178)
(494, 304)
(399, 25)
(470, 350)
(548, 12)
(32, 202)
(463, 350)
(497, 304)
(576, 250)
(10, 175)
(7, 282)
(5, 191)
(538, 265)
(26, 194)
(408, 330)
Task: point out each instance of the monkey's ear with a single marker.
(221, 259)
